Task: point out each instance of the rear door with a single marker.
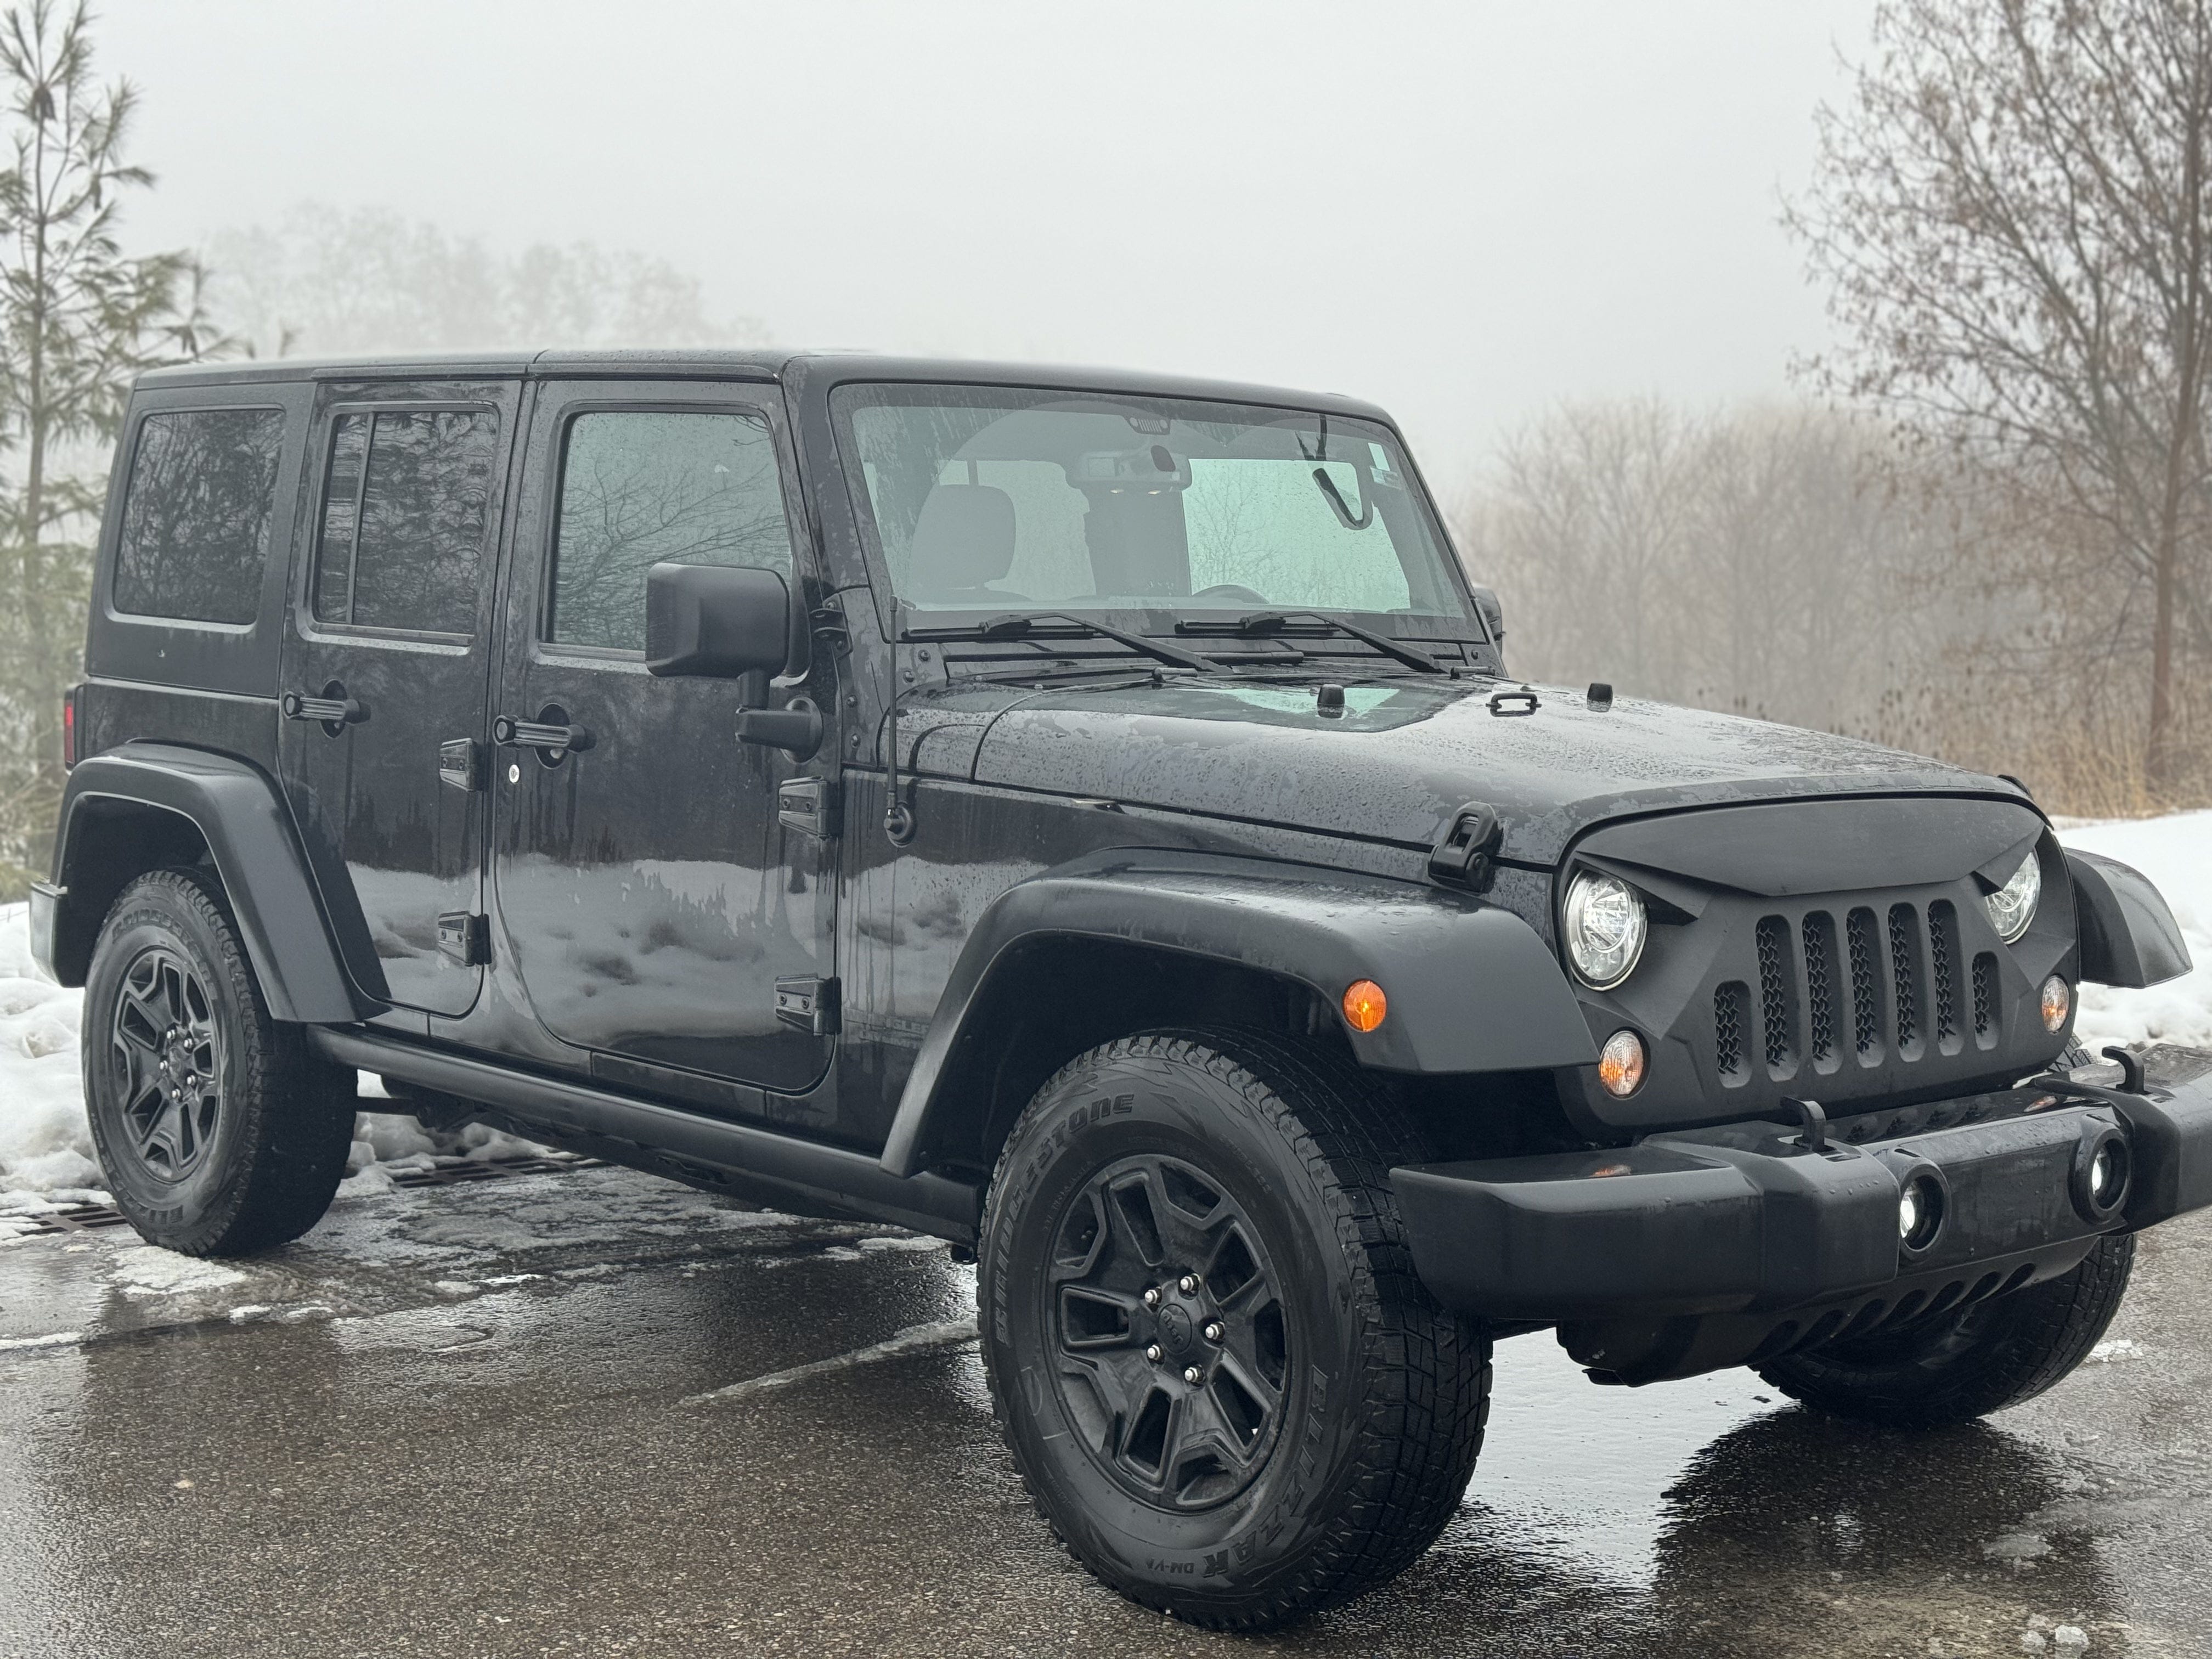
(384, 677)
(661, 906)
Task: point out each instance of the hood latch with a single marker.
(1466, 855)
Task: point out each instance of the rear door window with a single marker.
(646, 487)
(194, 541)
(405, 505)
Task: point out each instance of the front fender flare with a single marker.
(2129, 936)
(249, 836)
(1472, 987)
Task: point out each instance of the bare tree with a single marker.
(77, 321)
(2013, 212)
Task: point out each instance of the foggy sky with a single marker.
(1465, 211)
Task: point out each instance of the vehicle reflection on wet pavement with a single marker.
(507, 1419)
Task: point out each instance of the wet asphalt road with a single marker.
(466, 1421)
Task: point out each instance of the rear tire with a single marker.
(219, 1132)
(1338, 1410)
(1984, 1359)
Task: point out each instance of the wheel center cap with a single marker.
(1175, 1328)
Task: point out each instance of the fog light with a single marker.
(1365, 1005)
(2058, 1003)
(1919, 1212)
(1620, 1064)
(2103, 1176)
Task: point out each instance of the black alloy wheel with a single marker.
(219, 1130)
(167, 1062)
(1173, 1350)
(1225, 1386)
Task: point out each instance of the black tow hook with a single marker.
(2133, 1086)
(1811, 1123)
(2131, 1065)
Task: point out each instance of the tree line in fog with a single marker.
(1992, 537)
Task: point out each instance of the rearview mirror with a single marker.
(716, 620)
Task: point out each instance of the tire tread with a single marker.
(1423, 1425)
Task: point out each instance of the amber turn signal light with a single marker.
(1620, 1064)
(1365, 1005)
(2058, 1003)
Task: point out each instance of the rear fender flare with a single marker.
(240, 819)
(1471, 986)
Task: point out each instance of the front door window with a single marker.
(654, 901)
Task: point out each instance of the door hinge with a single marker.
(810, 1005)
(465, 938)
(808, 803)
(461, 764)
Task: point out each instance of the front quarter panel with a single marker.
(1471, 986)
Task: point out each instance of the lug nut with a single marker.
(1152, 1298)
(1153, 1353)
(1187, 1284)
(1192, 1375)
(1213, 1330)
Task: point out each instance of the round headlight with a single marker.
(1605, 926)
(2012, 906)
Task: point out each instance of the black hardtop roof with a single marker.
(766, 363)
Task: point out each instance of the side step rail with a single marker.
(780, 1170)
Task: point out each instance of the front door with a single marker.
(657, 909)
(386, 675)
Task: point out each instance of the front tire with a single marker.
(1290, 1419)
(219, 1132)
(1981, 1359)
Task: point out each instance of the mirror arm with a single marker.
(797, 729)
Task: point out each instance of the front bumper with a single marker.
(1688, 1252)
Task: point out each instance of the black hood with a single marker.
(1404, 756)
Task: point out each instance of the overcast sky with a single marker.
(1465, 211)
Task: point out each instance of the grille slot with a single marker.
(1866, 988)
(1823, 1040)
(1904, 971)
(1985, 1000)
(1943, 955)
(1777, 1000)
(1731, 1013)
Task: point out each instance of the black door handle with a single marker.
(511, 734)
(333, 711)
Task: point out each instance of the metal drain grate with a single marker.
(456, 1172)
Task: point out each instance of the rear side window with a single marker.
(405, 502)
(641, 488)
(196, 514)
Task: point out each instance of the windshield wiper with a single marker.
(1272, 622)
(1017, 624)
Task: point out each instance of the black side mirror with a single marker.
(716, 621)
(1493, 614)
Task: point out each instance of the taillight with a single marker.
(68, 726)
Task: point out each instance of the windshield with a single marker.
(993, 499)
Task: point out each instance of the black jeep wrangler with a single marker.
(1086, 817)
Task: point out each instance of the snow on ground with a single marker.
(45, 1153)
(46, 1149)
(2176, 852)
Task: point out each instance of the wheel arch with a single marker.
(148, 806)
(1125, 940)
